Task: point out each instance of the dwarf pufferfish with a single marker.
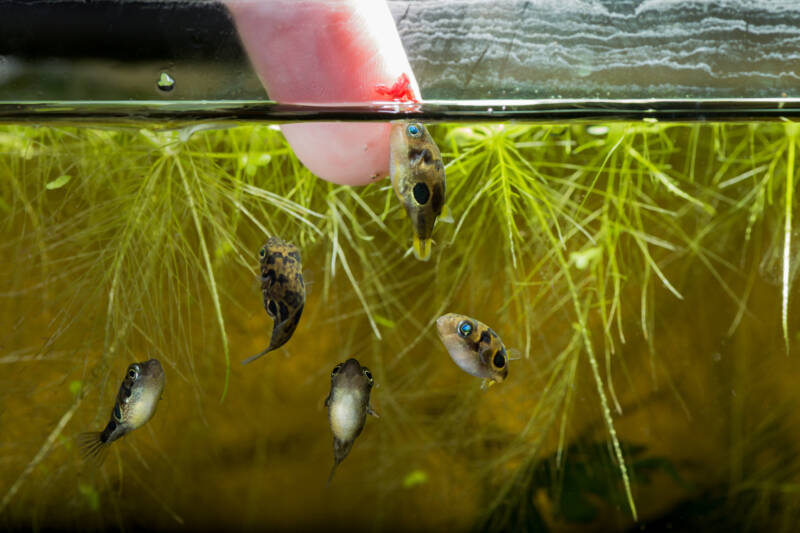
(348, 407)
(283, 290)
(135, 404)
(473, 346)
(417, 173)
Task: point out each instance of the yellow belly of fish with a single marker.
(344, 416)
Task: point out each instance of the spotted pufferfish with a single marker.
(135, 404)
(474, 346)
(283, 290)
(417, 173)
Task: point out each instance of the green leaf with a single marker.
(414, 478)
(58, 182)
(91, 495)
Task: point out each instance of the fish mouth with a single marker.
(422, 248)
(153, 367)
(351, 366)
(441, 324)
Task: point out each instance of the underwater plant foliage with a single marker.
(644, 271)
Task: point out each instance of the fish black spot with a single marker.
(282, 279)
(295, 255)
(272, 309)
(499, 359)
(485, 338)
(112, 425)
(273, 257)
(421, 193)
(284, 311)
(268, 275)
(415, 156)
(438, 199)
(117, 412)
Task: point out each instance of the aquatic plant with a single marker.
(574, 242)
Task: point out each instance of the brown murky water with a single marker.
(714, 411)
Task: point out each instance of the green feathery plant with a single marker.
(142, 231)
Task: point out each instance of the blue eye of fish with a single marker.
(413, 130)
(262, 252)
(499, 360)
(464, 328)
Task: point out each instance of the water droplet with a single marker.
(490, 110)
(165, 82)
(716, 357)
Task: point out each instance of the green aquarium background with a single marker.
(644, 272)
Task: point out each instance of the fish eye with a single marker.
(499, 360)
(336, 369)
(421, 193)
(414, 130)
(133, 372)
(262, 252)
(368, 373)
(465, 328)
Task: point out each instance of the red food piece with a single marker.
(399, 92)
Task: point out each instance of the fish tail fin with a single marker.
(333, 471)
(256, 356)
(92, 447)
(422, 248)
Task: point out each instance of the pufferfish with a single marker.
(283, 290)
(136, 404)
(474, 346)
(348, 407)
(417, 173)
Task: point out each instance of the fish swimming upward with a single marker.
(136, 403)
(474, 346)
(283, 289)
(348, 406)
(417, 173)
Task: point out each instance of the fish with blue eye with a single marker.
(135, 404)
(283, 290)
(417, 173)
(474, 346)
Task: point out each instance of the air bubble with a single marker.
(165, 82)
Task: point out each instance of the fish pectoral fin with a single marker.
(487, 383)
(513, 354)
(446, 216)
(371, 411)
